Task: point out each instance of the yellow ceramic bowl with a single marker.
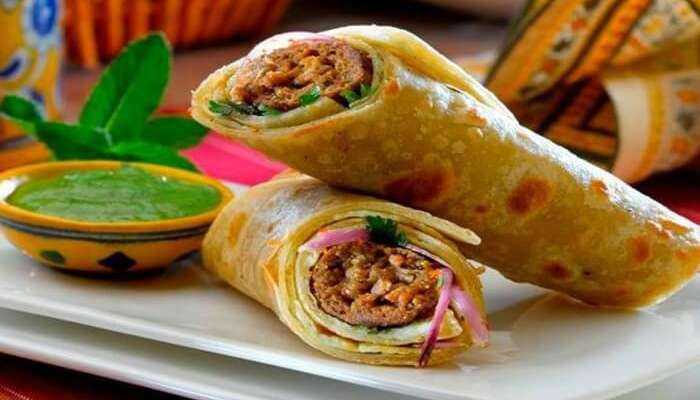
(102, 247)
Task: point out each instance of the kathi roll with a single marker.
(358, 278)
(376, 109)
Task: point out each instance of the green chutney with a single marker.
(120, 195)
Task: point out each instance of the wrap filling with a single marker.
(373, 279)
(292, 76)
(374, 285)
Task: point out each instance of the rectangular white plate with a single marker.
(203, 375)
(544, 345)
(165, 367)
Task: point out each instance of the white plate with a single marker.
(545, 346)
(203, 375)
(178, 370)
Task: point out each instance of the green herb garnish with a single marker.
(385, 231)
(221, 108)
(351, 96)
(115, 122)
(310, 96)
(226, 108)
(365, 90)
(268, 111)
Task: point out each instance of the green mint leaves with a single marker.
(226, 108)
(115, 122)
(130, 88)
(385, 231)
(310, 97)
(352, 97)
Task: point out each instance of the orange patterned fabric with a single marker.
(615, 81)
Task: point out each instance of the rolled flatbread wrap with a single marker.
(376, 109)
(399, 293)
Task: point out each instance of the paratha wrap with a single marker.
(412, 126)
(301, 249)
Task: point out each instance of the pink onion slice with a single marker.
(428, 254)
(435, 324)
(464, 306)
(330, 237)
(283, 40)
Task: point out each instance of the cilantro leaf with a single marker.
(221, 108)
(350, 96)
(310, 96)
(365, 90)
(226, 108)
(154, 153)
(385, 231)
(130, 88)
(174, 132)
(268, 111)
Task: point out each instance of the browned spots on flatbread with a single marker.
(421, 187)
(639, 249)
(621, 292)
(557, 271)
(234, 228)
(531, 195)
(391, 88)
(482, 208)
(599, 187)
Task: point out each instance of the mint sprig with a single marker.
(385, 231)
(115, 122)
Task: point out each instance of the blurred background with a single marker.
(226, 30)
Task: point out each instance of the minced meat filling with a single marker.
(373, 285)
(279, 78)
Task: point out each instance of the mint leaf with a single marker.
(130, 88)
(137, 150)
(21, 111)
(19, 108)
(72, 142)
(174, 132)
(310, 96)
(385, 231)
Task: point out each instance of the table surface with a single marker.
(453, 34)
